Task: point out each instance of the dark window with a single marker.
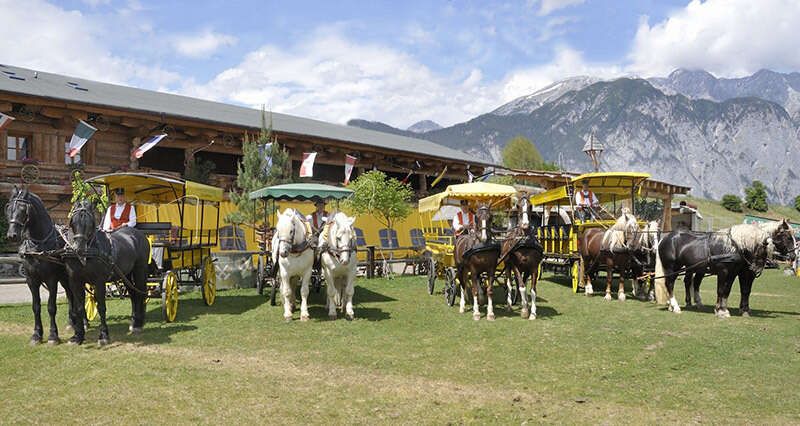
(232, 238)
(225, 164)
(18, 147)
(388, 238)
(162, 158)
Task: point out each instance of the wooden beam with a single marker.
(52, 112)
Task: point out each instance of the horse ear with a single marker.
(351, 221)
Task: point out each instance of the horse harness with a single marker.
(336, 252)
(31, 246)
(295, 248)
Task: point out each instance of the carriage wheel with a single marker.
(209, 278)
(90, 304)
(169, 296)
(451, 287)
(431, 274)
(260, 276)
(29, 173)
(273, 294)
(576, 273)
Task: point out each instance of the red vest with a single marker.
(461, 218)
(123, 218)
(316, 219)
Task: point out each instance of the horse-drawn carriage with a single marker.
(561, 228)
(435, 214)
(269, 196)
(181, 221)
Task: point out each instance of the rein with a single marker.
(295, 248)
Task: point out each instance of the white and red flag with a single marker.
(307, 167)
(83, 132)
(153, 141)
(349, 162)
(5, 120)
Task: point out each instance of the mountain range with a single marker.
(690, 128)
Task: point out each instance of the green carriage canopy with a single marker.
(301, 191)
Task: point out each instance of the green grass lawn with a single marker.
(409, 358)
(712, 210)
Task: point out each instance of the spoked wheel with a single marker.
(576, 274)
(169, 296)
(451, 287)
(90, 304)
(431, 274)
(208, 276)
(273, 294)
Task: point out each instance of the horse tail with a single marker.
(661, 287)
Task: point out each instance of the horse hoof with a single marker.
(621, 297)
(332, 317)
(303, 318)
(607, 296)
(589, 290)
(525, 313)
(35, 340)
(461, 310)
(75, 341)
(490, 317)
(476, 317)
(69, 327)
(103, 342)
(745, 313)
(722, 314)
(349, 317)
(53, 341)
(136, 330)
(698, 305)
(532, 317)
(287, 319)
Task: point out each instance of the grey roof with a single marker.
(54, 86)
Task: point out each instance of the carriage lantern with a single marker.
(593, 149)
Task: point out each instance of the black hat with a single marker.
(464, 203)
(119, 191)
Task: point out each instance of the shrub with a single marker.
(732, 203)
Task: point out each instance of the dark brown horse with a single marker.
(477, 255)
(522, 252)
(614, 248)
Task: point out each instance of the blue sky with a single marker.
(398, 62)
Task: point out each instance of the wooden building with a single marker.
(48, 106)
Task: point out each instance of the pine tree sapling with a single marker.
(199, 170)
(797, 203)
(756, 196)
(732, 203)
(385, 198)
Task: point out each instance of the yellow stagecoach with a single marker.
(436, 213)
(181, 221)
(560, 227)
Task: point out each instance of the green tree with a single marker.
(732, 203)
(385, 198)
(82, 190)
(521, 153)
(797, 203)
(199, 170)
(649, 209)
(255, 172)
(755, 196)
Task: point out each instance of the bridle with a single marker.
(294, 248)
(333, 244)
(83, 211)
(22, 199)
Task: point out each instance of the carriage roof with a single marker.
(158, 188)
(606, 185)
(301, 191)
(475, 191)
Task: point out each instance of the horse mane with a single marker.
(614, 237)
(652, 227)
(746, 236)
(771, 227)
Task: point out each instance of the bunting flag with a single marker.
(307, 167)
(408, 176)
(266, 152)
(5, 120)
(349, 162)
(470, 176)
(81, 135)
(439, 178)
(153, 141)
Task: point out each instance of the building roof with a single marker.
(54, 86)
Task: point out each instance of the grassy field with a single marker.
(721, 218)
(409, 358)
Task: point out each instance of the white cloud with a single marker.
(66, 42)
(332, 78)
(725, 37)
(202, 45)
(549, 6)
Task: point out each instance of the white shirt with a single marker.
(462, 220)
(586, 199)
(117, 215)
(317, 219)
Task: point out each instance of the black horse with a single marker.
(29, 222)
(740, 251)
(99, 257)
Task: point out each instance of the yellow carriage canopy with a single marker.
(605, 185)
(484, 192)
(157, 188)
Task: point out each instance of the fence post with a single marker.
(370, 262)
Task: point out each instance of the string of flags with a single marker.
(83, 132)
(5, 120)
(307, 166)
(153, 141)
(349, 162)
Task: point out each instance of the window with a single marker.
(73, 160)
(417, 238)
(232, 238)
(360, 240)
(17, 147)
(388, 238)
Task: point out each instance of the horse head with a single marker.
(83, 225)
(623, 233)
(483, 221)
(342, 237)
(782, 238)
(289, 222)
(17, 214)
(525, 213)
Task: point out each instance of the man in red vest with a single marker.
(463, 219)
(119, 214)
(319, 217)
(585, 203)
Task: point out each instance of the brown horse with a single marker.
(522, 253)
(614, 248)
(475, 254)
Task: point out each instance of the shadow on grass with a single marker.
(735, 311)
(364, 295)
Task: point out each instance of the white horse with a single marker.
(295, 258)
(337, 244)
